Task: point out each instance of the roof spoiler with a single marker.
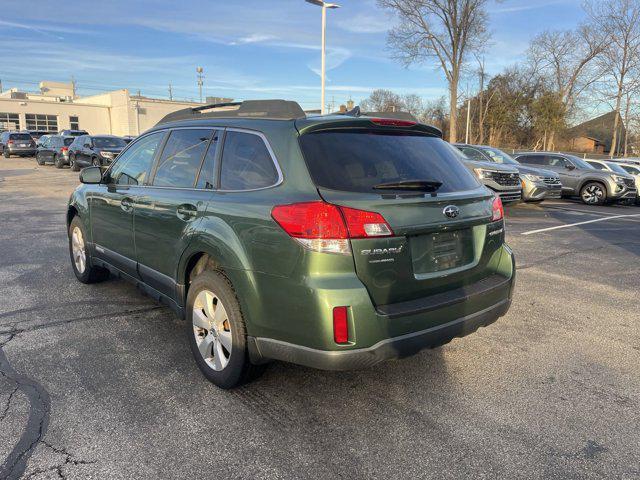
(269, 109)
(393, 115)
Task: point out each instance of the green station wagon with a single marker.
(334, 242)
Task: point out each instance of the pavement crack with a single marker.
(69, 459)
(3, 415)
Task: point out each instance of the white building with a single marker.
(56, 107)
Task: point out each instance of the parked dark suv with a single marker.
(94, 150)
(17, 143)
(73, 133)
(329, 241)
(54, 149)
(579, 179)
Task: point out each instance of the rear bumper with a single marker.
(262, 349)
(21, 151)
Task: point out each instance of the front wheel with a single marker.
(72, 163)
(217, 331)
(593, 193)
(95, 162)
(80, 260)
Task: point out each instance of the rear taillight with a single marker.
(392, 122)
(498, 210)
(327, 228)
(340, 325)
(64, 149)
(10, 142)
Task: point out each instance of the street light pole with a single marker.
(324, 6)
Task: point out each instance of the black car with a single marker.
(94, 150)
(54, 149)
(17, 143)
(72, 133)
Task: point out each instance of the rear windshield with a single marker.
(357, 160)
(68, 141)
(20, 136)
(108, 142)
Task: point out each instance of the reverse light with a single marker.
(340, 325)
(393, 122)
(498, 210)
(327, 228)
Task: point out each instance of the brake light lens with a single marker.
(327, 228)
(498, 210)
(393, 122)
(64, 149)
(340, 325)
(10, 142)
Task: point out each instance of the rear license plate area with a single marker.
(439, 251)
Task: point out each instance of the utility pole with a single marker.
(199, 71)
(0, 85)
(170, 92)
(466, 138)
(73, 86)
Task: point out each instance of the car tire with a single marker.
(219, 345)
(72, 163)
(593, 193)
(57, 161)
(80, 259)
(39, 161)
(6, 153)
(95, 161)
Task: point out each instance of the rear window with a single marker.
(20, 136)
(108, 142)
(357, 160)
(68, 141)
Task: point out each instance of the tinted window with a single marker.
(207, 172)
(246, 163)
(556, 161)
(68, 141)
(181, 158)
(533, 159)
(133, 166)
(597, 166)
(473, 154)
(20, 136)
(357, 160)
(631, 170)
(108, 142)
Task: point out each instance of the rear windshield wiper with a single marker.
(415, 185)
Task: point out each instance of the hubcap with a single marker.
(592, 194)
(212, 330)
(77, 249)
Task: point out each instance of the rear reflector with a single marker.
(498, 210)
(392, 122)
(340, 325)
(324, 227)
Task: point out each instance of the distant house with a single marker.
(595, 135)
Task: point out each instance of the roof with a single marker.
(598, 128)
(263, 109)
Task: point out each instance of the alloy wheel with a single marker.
(592, 194)
(78, 250)
(212, 330)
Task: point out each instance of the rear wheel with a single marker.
(593, 193)
(39, 160)
(6, 153)
(217, 331)
(80, 260)
(57, 161)
(72, 163)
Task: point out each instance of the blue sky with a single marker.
(248, 48)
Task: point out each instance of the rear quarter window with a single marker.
(357, 160)
(20, 136)
(247, 163)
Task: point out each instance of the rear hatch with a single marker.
(429, 252)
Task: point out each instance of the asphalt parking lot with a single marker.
(97, 381)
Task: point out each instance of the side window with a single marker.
(246, 163)
(181, 158)
(597, 166)
(556, 161)
(532, 159)
(474, 154)
(132, 166)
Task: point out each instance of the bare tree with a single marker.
(564, 61)
(447, 31)
(620, 23)
(382, 100)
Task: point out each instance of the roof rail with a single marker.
(269, 109)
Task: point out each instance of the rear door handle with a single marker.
(126, 204)
(186, 211)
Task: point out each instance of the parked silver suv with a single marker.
(620, 170)
(579, 179)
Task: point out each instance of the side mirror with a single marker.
(91, 175)
(570, 166)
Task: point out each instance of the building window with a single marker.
(9, 121)
(48, 123)
(74, 123)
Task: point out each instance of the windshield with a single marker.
(108, 142)
(499, 156)
(580, 163)
(358, 160)
(616, 168)
(20, 136)
(631, 170)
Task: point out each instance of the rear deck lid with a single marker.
(436, 208)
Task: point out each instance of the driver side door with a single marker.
(112, 205)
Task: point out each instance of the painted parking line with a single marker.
(569, 225)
